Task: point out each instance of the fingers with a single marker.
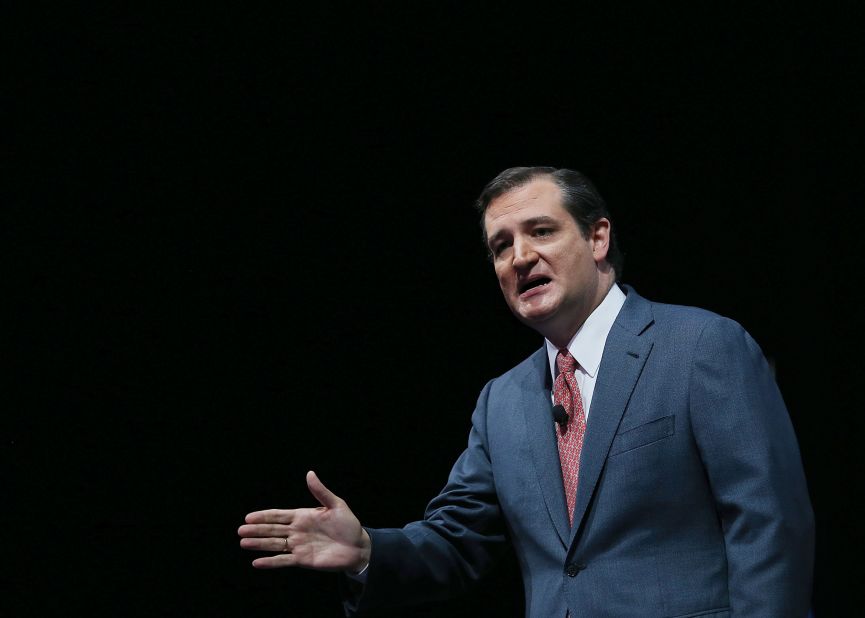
(271, 516)
(321, 493)
(272, 530)
(275, 562)
(286, 516)
(263, 530)
(271, 544)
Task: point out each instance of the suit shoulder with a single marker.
(705, 330)
(687, 317)
(639, 313)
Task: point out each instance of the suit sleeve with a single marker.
(442, 555)
(752, 460)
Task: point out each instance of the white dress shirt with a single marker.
(587, 345)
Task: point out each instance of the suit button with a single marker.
(573, 569)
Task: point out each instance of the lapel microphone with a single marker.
(559, 415)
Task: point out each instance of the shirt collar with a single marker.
(587, 345)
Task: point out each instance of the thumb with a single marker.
(321, 493)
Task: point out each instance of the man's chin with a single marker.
(534, 316)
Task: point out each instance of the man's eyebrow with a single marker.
(539, 219)
(530, 222)
(495, 237)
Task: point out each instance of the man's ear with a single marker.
(600, 239)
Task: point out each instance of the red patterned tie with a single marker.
(567, 394)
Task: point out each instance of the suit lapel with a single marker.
(625, 354)
(541, 435)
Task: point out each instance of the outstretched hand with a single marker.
(326, 538)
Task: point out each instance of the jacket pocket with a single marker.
(644, 434)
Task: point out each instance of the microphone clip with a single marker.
(560, 416)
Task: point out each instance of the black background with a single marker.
(241, 246)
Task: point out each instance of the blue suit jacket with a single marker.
(691, 502)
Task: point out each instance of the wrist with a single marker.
(365, 550)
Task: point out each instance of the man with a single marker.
(642, 462)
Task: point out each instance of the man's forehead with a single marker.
(538, 188)
(539, 198)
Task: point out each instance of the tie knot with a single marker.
(565, 361)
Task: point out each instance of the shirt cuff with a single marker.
(360, 576)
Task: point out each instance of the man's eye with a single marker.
(543, 231)
(499, 248)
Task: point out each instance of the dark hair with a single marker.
(579, 197)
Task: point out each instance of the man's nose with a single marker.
(525, 255)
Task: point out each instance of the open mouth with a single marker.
(534, 283)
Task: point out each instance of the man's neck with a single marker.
(561, 337)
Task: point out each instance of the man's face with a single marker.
(548, 272)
